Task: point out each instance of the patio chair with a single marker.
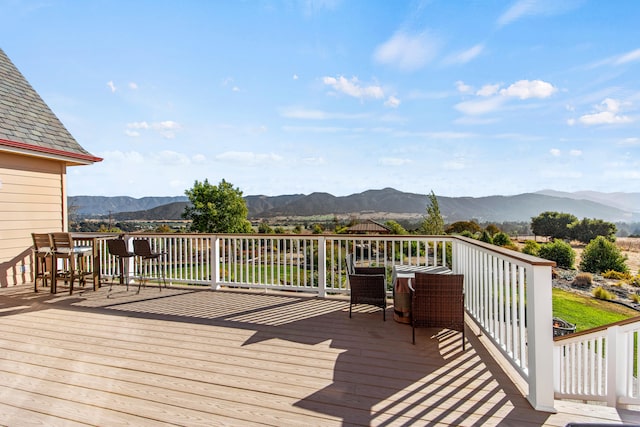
(63, 249)
(142, 248)
(437, 301)
(118, 249)
(368, 289)
(42, 258)
(370, 270)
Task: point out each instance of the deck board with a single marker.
(190, 358)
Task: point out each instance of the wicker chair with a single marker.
(118, 249)
(437, 301)
(368, 289)
(142, 248)
(370, 270)
(42, 257)
(62, 244)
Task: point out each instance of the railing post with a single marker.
(129, 270)
(215, 262)
(322, 266)
(540, 338)
(616, 365)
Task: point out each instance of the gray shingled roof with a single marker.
(27, 121)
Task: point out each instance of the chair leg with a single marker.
(413, 331)
(350, 304)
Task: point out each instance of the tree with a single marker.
(492, 229)
(601, 255)
(461, 226)
(588, 229)
(552, 224)
(502, 239)
(395, 227)
(433, 223)
(217, 209)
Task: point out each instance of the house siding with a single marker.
(31, 200)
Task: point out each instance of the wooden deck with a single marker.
(202, 358)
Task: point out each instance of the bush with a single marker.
(602, 255)
(559, 251)
(616, 275)
(501, 239)
(634, 281)
(486, 237)
(583, 279)
(531, 247)
(635, 298)
(603, 294)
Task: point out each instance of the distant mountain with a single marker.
(100, 205)
(387, 203)
(625, 201)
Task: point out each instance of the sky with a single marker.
(462, 98)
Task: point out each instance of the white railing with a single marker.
(498, 281)
(599, 365)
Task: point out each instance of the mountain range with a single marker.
(386, 203)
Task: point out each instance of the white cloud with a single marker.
(463, 88)
(166, 128)
(453, 165)
(555, 152)
(305, 114)
(392, 102)
(630, 141)
(522, 8)
(407, 52)
(295, 77)
(488, 90)
(172, 158)
(525, 89)
(575, 153)
(464, 56)
(478, 107)
(607, 114)
(313, 160)
(394, 161)
(198, 158)
(133, 85)
(248, 158)
(132, 133)
(353, 88)
(632, 56)
(111, 86)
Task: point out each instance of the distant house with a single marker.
(369, 227)
(35, 150)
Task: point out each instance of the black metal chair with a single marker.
(142, 248)
(437, 301)
(368, 289)
(42, 258)
(118, 249)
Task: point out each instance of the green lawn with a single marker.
(586, 312)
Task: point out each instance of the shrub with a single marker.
(486, 237)
(634, 281)
(467, 233)
(635, 298)
(531, 247)
(501, 239)
(559, 251)
(616, 275)
(583, 279)
(602, 255)
(603, 294)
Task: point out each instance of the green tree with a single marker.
(601, 255)
(395, 227)
(217, 209)
(433, 222)
(559, 251)
(531, 247)
(486, 237)
(502, 239)
(552, 224)
(588, 229)
(461, 226)
(492, 229)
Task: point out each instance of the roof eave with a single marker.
(70, 158)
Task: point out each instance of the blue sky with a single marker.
(467, 98)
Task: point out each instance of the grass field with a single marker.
(588, 312)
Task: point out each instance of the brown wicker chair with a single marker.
(42, 257)
(437, 301)
(368, 289)
(370, 270)
(62, 243)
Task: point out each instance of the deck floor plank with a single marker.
(184, 357)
